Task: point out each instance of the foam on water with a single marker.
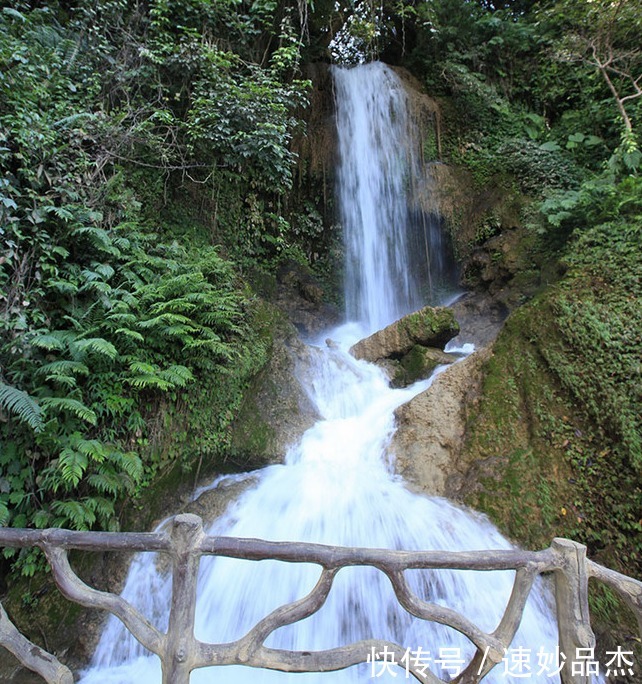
(337, 485)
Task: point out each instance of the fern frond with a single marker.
(104, 508)
(149, 381)
(61, 213)
(40, 519)
(72, 465)
(106, 271)
(92, 448)
(79, 515)
(178, 375)
(221, 320)
(63, 286)
(130, 333)
(182, 331)
(96, 345)
(164, 319)
(212, 346)
(63, 367)
(99, 238)
(72, 405)
(69, 121)
(14, 13)
(110, 483)
(142, 367)
(120, 317)
(22, 405)
(176, 305)
(122, 243)
(56, 340)
(130, 462)
(67, 381)
(150, 376)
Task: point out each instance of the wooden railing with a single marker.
(185, 542)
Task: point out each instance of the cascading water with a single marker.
(337, 486)
(391, 251)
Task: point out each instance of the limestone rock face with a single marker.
(302, 299)
(276, 410)
(428, 327)
(430, 434)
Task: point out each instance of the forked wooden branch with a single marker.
(180, 652)
(629, 589)
(32, 656)
(441, 614)
(73, 588)
(288, 614)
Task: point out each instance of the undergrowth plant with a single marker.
(108, 318)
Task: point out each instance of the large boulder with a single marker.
(431, 430)
(428, 327)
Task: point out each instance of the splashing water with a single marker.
(395, 254)
(337, 485)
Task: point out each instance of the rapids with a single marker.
(338, 485)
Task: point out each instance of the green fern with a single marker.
(74, 406)
(67, 381)
(5, 516)
(96, 345)
(131, 334)
(99, 239)
(73, 514)
(92, 448)
(72, 465)
(64, 287)
(130, 462)
(164, 320)
(107, 482)
(104, 508)
(41, 519)
(52, 341)
(178, 375)
(177, 305)
(63, 367)
(22, 406)
(14, 13)
(148, 376)
(183, 332)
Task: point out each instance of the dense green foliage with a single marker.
(147, 171)
(542, 106)
(116, 305)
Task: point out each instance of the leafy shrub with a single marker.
(104, 319)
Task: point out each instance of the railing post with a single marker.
(179, 652)
(573, 618)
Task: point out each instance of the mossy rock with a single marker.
(553, 439)
(419, 363)
(428, 327)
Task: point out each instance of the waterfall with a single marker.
(392, 250)
(337, 485)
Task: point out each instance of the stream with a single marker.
(338, 485)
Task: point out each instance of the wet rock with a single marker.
(276, 410)
(480, 317)
(428, 327)
(418, 363)
(431, 428)
(300, 296)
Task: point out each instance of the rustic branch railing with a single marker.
(185, 541)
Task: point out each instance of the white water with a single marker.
(374, 168)
(337, 485)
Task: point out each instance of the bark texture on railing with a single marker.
(185, 542)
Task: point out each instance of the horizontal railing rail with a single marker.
(185, 541)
